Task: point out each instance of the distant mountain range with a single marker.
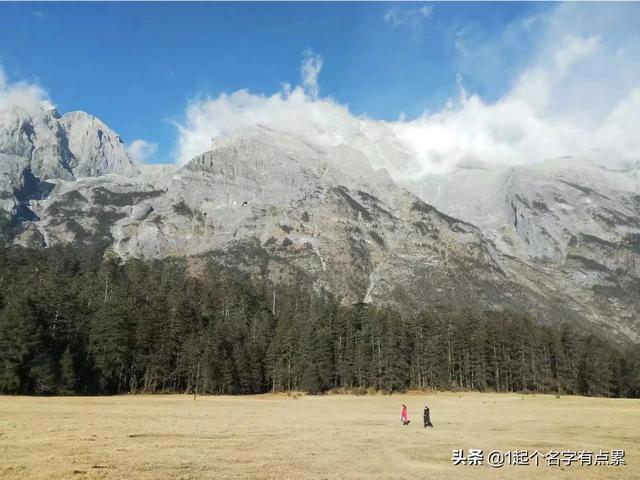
(559, 240)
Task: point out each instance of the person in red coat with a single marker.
(404, 418)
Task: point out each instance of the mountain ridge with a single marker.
(279, 205)
(40, 145)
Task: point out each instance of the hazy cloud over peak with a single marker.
(579, 95)
(309, 72)
(140, 150)
(27, 96)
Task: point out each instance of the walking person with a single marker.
(404, 417)
(426, 418)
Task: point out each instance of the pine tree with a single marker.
(311, 381)
(120, 327)
(68, 379)
(43, 375)
(594, 369)
(110, 345)
(20, 338)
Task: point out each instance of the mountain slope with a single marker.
(567, 225)
(41, 145)
(558, 240)
(282, 209)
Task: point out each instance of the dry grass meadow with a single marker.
(329, 437)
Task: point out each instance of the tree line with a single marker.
(74, 320)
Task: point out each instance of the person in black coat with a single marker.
(426, 418)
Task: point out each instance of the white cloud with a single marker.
(23, 95)
(309, 71)
(574, 50)
(290, 110)
(579, 96)
(460, 43)
(529, 123)
(140, 150)
(411, 17)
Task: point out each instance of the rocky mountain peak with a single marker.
(96, 148)
(38, 145)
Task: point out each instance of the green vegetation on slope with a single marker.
(76, 321)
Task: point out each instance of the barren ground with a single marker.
(329, 437)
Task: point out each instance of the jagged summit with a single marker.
(96, 148)
(37, 144)
(54, 146)
(285, 162)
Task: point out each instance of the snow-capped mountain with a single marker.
(558, 240)
(275, 205)
(571, 225)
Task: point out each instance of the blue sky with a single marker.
(137, 65)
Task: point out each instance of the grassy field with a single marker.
(330, 437)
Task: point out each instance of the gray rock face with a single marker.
(42, 145)
(96, 149)
(279, 207)
(570, 226)
(33, 143)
